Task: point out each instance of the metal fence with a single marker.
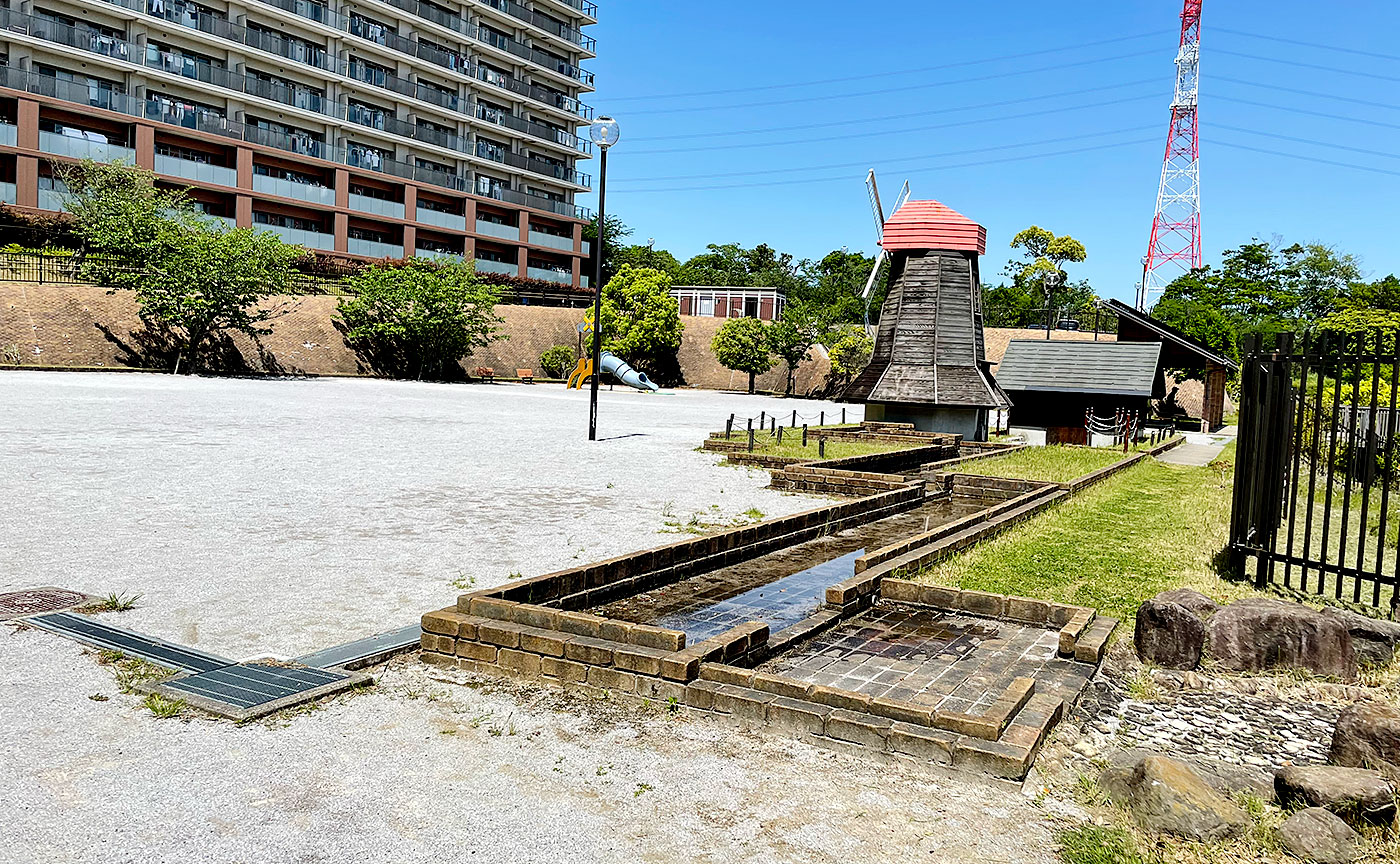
(76, 269)
(1316, 465)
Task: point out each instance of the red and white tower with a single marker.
(1175, 246)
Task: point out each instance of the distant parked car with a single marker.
(1036, 327)
(1067, 324)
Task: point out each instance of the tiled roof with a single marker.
(931, 225)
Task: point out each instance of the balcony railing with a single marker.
(84, 148)
(503, 267)
(531, 91)
(285, 188)
(499, 154)
(496, 229)
(9, 134)
(549, 25)
(433, 14)
(82, 38)
(534, 55)
(585, 6)
(549, 274)
(530, 127)
(7, 193)
(188, 169)
(438, 254)
(377, 206)
(539, 202)
(454, 221)
(300, 236)
(553, 241)
(373, 248)
(306, 9)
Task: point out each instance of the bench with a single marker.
(526, 376)
(485, 373)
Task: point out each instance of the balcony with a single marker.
(377, 206)
(549, 274)
(306, 9)
(7, 193)
(81, 38)
(202, 172)
(52, 199)
(549, 25)
(439, 255)
(454, 221)
(9, 135)
(530, 127)
(553, 241)
(432, 13)
(583, 281)
(515, 196)
(531, 91)
(373, 248)
(496, 229)
(300, 236)
(284, 188)
(502, 267)
(543, 167)
(534, 55)
(84, 148)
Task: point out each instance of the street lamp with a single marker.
(604, 133)
(1050, 280)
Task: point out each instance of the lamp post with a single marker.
(604, 133)
(1050, 280)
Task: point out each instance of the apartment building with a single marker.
(366, 128)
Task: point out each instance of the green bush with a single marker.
(742, 344)
(557, 361)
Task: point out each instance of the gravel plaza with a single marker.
(279, 517)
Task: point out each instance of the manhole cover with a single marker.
(32, 601)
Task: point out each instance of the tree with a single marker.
(1205, 324)
(801, 327)
(613, 231)
(556, 360)
(119, 211)
(849, 348)
(1040, 272)
(1007, 305)
(836, 282)
(642, 321)
(742, 344)
(422, 316)
(646, 256)
(732, 264)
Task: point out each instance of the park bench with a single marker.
(526, 376)
(485, 373)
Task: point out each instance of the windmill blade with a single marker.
(901, 198)
(874, 272)
(873, 190)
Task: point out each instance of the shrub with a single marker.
(558, 360)
(742, 344)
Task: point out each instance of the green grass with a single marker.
(1090, 844)
(115, 603)
(1117, 543)
(162, 706)
(1054, 464)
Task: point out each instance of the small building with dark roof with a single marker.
(929, 365)
(1053, 384)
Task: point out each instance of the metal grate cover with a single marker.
(367, 651)
(99, 635)
(247, 690)
(33, 601)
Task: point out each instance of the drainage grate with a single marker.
(33, 601)
(99, 635)
(368, 651)
(246, 690)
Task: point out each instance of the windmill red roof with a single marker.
(931, 225)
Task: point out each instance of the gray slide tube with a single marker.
(618, 368)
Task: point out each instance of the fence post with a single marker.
(750, 439)
(821, 447)
(780, 436)
(821, 421)
(728, 426)
(762, 419)
(794, 419)
(774, 421)
(804, 434)
(843, 416)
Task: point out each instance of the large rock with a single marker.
(1317, 835)
(1373, 639)
(1368, 736)
(1194, 601)
(1166, 796)
(1355, 794)
(1261, 633)
(1168, 635)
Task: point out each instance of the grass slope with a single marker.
(1150, 528)
(1055, 464)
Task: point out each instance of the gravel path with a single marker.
(285, 516)
(282, 517)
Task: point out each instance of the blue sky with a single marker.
(1014, 113)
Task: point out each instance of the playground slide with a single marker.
(614, 366)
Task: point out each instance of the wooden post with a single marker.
(780, 436)
(804, 434)
(843, 416)
(821, 447)
(774, 421)
(794, 419)
(822, 420)
(762, 419)
(728, 426)
(750, 439)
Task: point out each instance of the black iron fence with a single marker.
(1316, 466)
(57, 268)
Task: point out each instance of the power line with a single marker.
(1291, 109)
(870, 75)
(1299, 42)
(1298, 92)
(882, 133)
(846, 178)
(729, 133)
(860, 163)
(1300, 64)
(1305, 158)
(1281, 137)
(887, 90)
